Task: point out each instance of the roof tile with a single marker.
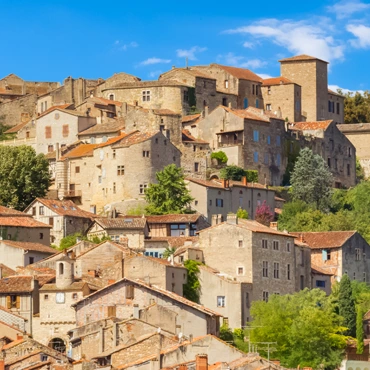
(314, 125)
(325, 239)
(240, 73)
(37, 247)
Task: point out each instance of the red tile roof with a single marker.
(173, 218)
(37, 247)
(100, 100)
(302, 57)
(112, 140)
(277, 81)
(83, 150)
(6, 212)
(6, 271)
(22, 222)
(325, 239)
(190, 118)
(252, 113)
(187, 137)
(320, 271)
(240, 73)
(218, 184)
(173, 241)
(104, 128)
(62, 107)
(126, 222)
(314, 125)
(16, 284)
(16, 128)
(134, 138)
(141, 84)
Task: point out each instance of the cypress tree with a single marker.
(359, 330)
(346, 305)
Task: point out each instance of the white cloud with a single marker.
(240, 61)
(155, 74)
(154, 60)
(335, 88)
(264, 75)
(121, 46)
(248, 45)
(190, 53)
(298, 37)
(253, 63)
(345, 8)
(362, 33)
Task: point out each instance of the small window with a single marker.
(329, 163)
(288, 247)
(338, 108)
(240, 243)
(364, 277)
(221, 301)
(196, 167)
(257, 102)
(31, 260)
(33, 211)
(65, 130)
(142, 188)
(348, 169)
(114, 188)
(120, 170)
(358, 254)
(265, 268)
(46, 297)
(224, 102)
(146, 153)
(130, 292)
(256, 135)
(320, 283)
(264, 244)
(255, 157)
(276, 270)
(114, 154)
(278, 140)
(50, 148)
(268, 140)
(278, 160)
(47, 132)
(74, 296)
(146, 95)
(275, 245)
(288, 271)
(265, 296)
(111, 97)
(226, 84)
(268, 106)
(41, 236)
(354, 276)
(77, 169)
(186, 96)
(240, 270)
(219, 203)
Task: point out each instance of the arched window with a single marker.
(61, 269)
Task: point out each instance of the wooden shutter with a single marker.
(18, 302)
(8, 302)
(129, 292)
(65, 130)
(47, 132)
(111, 311)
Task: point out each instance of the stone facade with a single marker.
(11, 112)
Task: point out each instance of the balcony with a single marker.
(72, 193)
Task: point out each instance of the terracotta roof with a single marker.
(13, 344)
(104, 128)
(252, 113)
(83, 150)
(163, 292)
(187, 137)
(64, 150)
(354, 127)
(325, 239)
(191, 118)
(16, 128)
(22, 222)
(184, 248)
(64, 208)
(277, 81)
(104, 101)
(314, 125)
(165, 112)
(173, 241)
(51, 109)
(320, 271)
(6, 212)
(163, 261)
(16, 284)
(75, 286)
(173, 218)
(134, 138)
(6, 271)
(141, 84)
(194, 72)
(217, 184)
(112, 140)
(240, 73)
(121, 222)
(37, 247)
(300, 58)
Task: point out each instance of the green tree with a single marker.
(304, 326)
(312, 180)
(70, 240)
(356, 107)
(24, 176)
(360, 173)
(226, 334)
(360, 330)
(220, 156)
(192, 287)
(346, 305)
(236, 173)
(169, 251)
(170, 194)
(242, 213)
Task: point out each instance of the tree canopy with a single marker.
(356, 107)
(170, 194)
(346, 305)
(312, 180)
(236, 173)
(192, 287)
(24, 176)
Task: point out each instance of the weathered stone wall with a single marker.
(11, 112)
(194, 159)
(18, 86)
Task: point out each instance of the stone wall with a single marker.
(11, 112)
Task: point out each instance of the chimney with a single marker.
(229, 105)
(171, 258)
(182, 367)
(201, 362)
(57, 151)
(244, 180)
(206, 111)
(19, 336)
(225, 183)
(214, 220)
(274, 225)
(136, 311)
(301, 238)
(232, 219)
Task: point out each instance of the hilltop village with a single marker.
(118, 298)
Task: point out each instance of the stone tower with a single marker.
(312, 75)
(64, 272)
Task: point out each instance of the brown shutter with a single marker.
(8, 302)
(18, 302)
(65, 130)
(47, 132)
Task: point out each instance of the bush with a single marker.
(236, 173)
(220, 156)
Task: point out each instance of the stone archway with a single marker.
(58, 344)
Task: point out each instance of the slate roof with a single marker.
(173, 218)
(314, 125)
(36, 247)
(104, 128)
(325, 239)
(301, 57)
(126, 222)
(240, 73)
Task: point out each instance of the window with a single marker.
(348, 169)
(33, 211)
(42, 107)
(47, 132)
(46, 297)
(265, 296)
(278, 140)
(253, 89)
(278, 160)
(245, 103)
(224, 102)
(196, 167)
(31, 260)
(256, 135)
(288, 271)
(268, 106)
(288, 247)
(240, 243)
(301, 282)
(165, 142)
(354, 276)
(13, 301)
(276, 270)
(111, 97)
(146, 153)
(226, 84)
(320, 283)
(210, 202)
(114, 188)
(257, 103)
(329, 163)
(186, 95)
(120, 170)
(275, 245)
(178, 229)
(50, 148)
(219, 203)
(326, 254)
(247, 302)
(255, 157)
(240, 270)
(265, 268)
(364, 277)
(264, 244)
(65, 132)
(269, 140)
(358, 254)
(114, 154)
(221, 302)
(142, 188)
(129, 292)
(266, 158)
(146, 95)
(99, 179)
(74, 296)
(41, 210)
(77, 169)
(338, 108)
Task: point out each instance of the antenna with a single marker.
(186, 62)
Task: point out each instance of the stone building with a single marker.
(60, 126)
(22, 227)
(252, 138)
(359, 135)
(63, 216)
(283, 97)
(101, 133)
(324, 138)
(241, 82)
(303, 268)
(166, 309)
(318, 103)
(24, 130)
(321, 279)
(224, 196)
(247, 252)
(338, 253)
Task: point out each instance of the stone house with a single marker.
(303, 269)
(359, 135)
(155, 246)
(63, 216)
(24, 130)
(11, 323)
(324, 138)
(318, 103)
(100, 133)
(236, 81)
(19, 226)
(249, 252)
(321, 279)
(60, 126)
(14, 253)
(125, 298)
(114, 80)
(135, 229)
(190, 252)
(207, 93)
(118, 170)
(156, 271)
(252, 138)
(224, 196)
(338, 253)
(283, 97)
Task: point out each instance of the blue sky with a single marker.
(51, 40)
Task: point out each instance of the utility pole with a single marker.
(268, 348)
(249, 327)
